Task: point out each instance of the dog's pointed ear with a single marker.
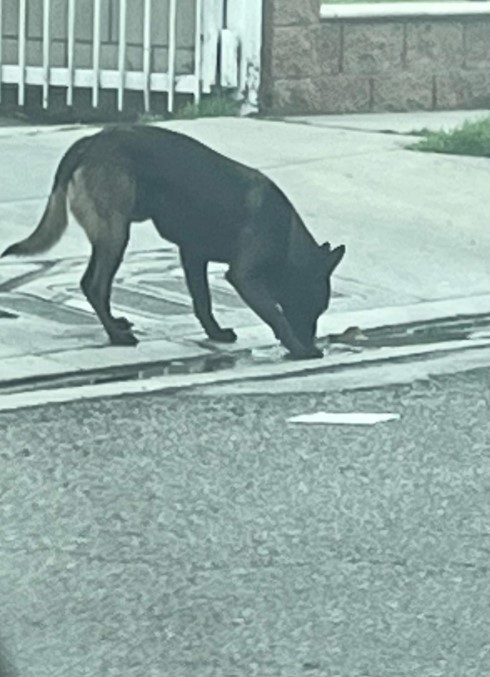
(326, 247)
(334, 257)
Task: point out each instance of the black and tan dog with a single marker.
(212, 208)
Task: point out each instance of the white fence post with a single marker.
(46, 51)
(22, 51)
(96, 55)
(244, 20)
(71, 51)
(1, 50)
(198, 51)
(212, 24)
(147, 54)
(172, 48)
(122, 53)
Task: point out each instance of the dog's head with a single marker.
(305, 294)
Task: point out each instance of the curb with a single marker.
(258, 372)
(194, 357)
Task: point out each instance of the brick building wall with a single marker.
(368, 63)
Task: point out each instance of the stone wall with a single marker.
(372, 63)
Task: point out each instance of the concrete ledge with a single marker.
(387, 10)
(335, 360)
(175, 382)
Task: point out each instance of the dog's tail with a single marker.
(55, 218)
(49, 230)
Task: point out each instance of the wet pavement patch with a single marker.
(416, 334)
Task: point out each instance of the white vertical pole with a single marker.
(198, 51)
(172, 48)
(22, 51)
(71, 51)
(46, 41)
(147, 53)
(96, 55)
(122, 53)
(1, 50)
(212, 23)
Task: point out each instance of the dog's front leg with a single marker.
(256, 294)
(195, 269)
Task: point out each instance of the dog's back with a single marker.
(196, 196)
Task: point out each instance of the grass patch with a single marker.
(471, 138)
(353, 2)
(214, 105)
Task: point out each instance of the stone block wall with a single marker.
(354, 65)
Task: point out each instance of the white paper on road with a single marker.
(344, 419)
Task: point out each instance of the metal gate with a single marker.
(170, 46)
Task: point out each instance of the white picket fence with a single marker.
(208, 19)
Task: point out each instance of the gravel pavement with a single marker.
(198, 536)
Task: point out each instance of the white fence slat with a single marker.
(172, 49)
(211, 27)
(229, 59)
(71, 51)
(1, 50)
(244, 18)
(122, 53)
(198, 51)
(22, 51)
(251, 54)
(96, 55)
(147, 54)
(46, 51)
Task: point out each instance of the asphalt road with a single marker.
(195, 536)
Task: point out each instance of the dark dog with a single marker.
(212, 208)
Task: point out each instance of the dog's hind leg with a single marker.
(107, 254)
(195, 270)
(101, 201)
(87, 284)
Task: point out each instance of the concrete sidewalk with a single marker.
(395, 123)
(415, 226)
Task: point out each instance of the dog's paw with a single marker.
(123, 338)
(123, 323)
(312, 353)
(223, 336)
